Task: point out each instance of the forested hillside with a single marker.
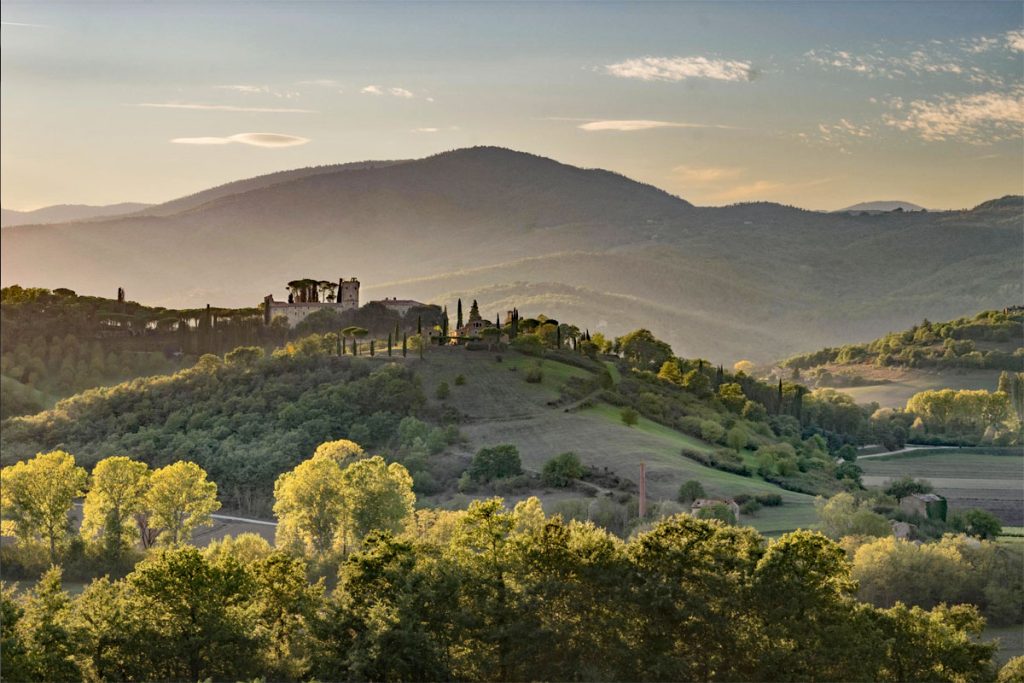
(475, 222)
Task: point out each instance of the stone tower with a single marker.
(348, 294)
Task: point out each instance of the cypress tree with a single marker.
(355, 348)
(405, 345)
(340, 345)
(419, 324)
(371, 348)
(389, 343)
(558, 335)
(458, 319)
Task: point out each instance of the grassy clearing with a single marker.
(613, 370)
(968, 479)
(650, 427)
(906, 383)
(497, 406)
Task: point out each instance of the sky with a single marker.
(819, 105)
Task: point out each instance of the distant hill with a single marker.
(66, 213)
(882, 207)
(966, 353)
(754, 280)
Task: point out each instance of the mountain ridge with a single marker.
(463, 222)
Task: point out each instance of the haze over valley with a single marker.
(756, 280)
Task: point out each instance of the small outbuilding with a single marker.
(925, 505)
(702, 503)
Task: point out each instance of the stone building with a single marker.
(400, 306)
(347, 299)
(702, 503)
(925, 505)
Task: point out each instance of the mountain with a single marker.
(755, 280)
(66, 213)
(882, 207)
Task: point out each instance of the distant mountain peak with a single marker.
(883, 206)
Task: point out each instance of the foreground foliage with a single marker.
(493, 594)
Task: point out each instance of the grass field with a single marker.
(497, 406)
(967, 479)
(1011, 641)
(904, 383)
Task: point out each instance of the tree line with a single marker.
(485, 593)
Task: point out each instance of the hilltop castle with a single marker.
(309, 296)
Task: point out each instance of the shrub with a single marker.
(534, 375)
(769, 499)
(425, 484)
(720, 459)
(495, 462)
(711, 431)
(459, 380)
(750, 507)
(690, 425)
(562, 469)
(442, 391)
(721, 512)
(690, 491)
(511, 485)
(629, 417)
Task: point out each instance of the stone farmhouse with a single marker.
(305, 298)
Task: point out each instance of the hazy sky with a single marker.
(819, 104)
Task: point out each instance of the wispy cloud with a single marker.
(1015, 41)
(259, 90)
(840, 135)
(977, 119)
(630, 125)
(247, 89)
(681, 69)
(322, 82)
(224, 107)
(22, 24)
(952, 58)
(433, 129)
(702, 175)
(762, 189)
(393, 91)
(253, 139)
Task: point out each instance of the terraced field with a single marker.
(966, 478)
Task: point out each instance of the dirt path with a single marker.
(907, 449)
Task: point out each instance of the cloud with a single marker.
(641, 124)
(433, 129)
(956, 58)
(976, 119)
(324, 82)
(681, 68)
(760, 188)
(253, 139)
(840, 135)
(224, 107)
(248, 89)
(1015, 41)
(394, 91)
(705, 174)
(22, 24)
